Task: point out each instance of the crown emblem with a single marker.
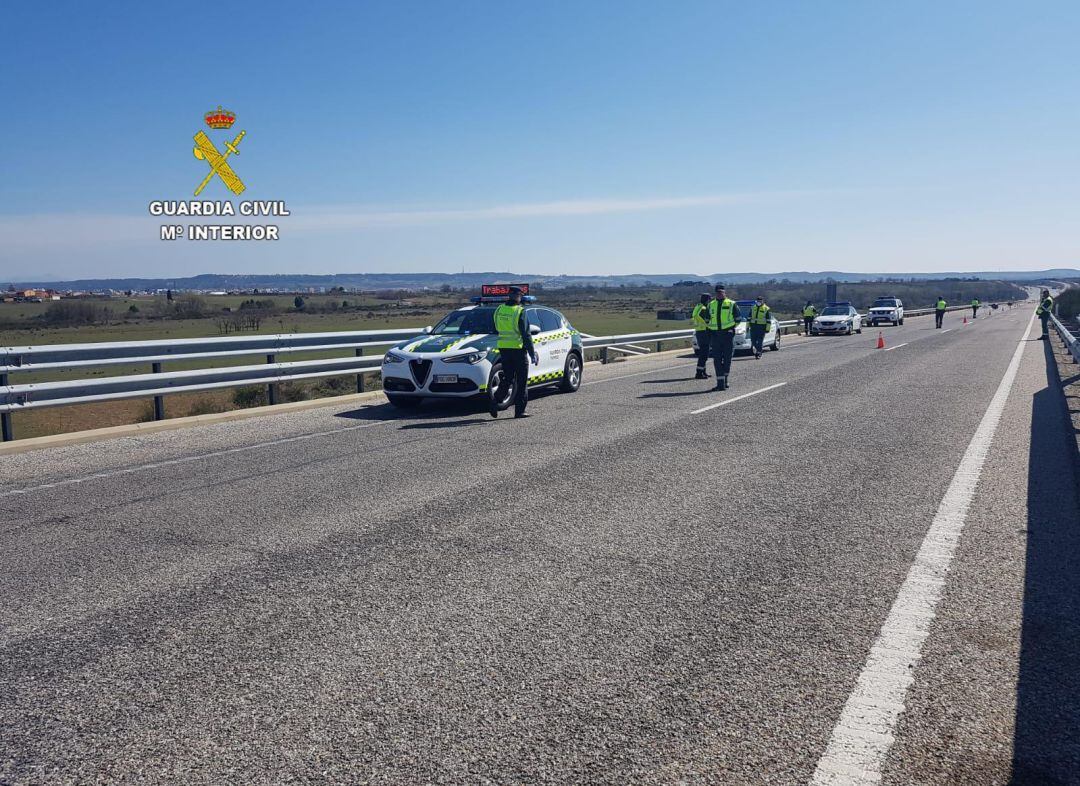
(220, 118)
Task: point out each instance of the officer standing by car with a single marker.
(974, 308)
(515, 349)
(724, 314)
(939, 311)
(759, 325)
(1043, 312)
(808, 314)
(700, 317)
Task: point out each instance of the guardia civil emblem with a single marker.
(205, 150)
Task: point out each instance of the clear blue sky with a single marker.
(593, 137)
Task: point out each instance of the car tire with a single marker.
(776, 343)
(859, 331)
(571, 380)
(493, 384)
(850, 330)
(404, 402)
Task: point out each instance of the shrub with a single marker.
(69, 313)
(205, 406)
(250, 396)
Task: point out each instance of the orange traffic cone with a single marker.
(880, 340)
(965, 320)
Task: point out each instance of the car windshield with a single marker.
(835, 311)
(884, 303)
(467, 321)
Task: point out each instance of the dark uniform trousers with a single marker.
(938, 316)
(1045, 318)
(723, 345)
(808, 323)
(704, 341)
(757, 337)
(515, 363)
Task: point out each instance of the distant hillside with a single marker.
(289, 281)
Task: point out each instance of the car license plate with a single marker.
(450, 378)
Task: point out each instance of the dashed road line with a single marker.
(890, 349)
(737, 398)
(865, 731)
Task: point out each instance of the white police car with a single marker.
(837, 318)
(459, 357)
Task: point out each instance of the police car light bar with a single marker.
(482, 299)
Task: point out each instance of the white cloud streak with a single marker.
(23, 233)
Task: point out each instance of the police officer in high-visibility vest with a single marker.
(939, 311)
(975, 307)
(1043, 312)
(724, 314)
(515, 349)
(759, 325)
(808, 313)
(700, 318)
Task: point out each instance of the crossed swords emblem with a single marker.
(206, 151)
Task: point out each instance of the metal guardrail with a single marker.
(159, 383)
(1071, 341)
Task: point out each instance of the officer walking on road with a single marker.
(1043, 312)
(974, 308)
(515, 349)
(700, 317)
(724, 313)
(759, 325)
(939, 311)
(808, 314)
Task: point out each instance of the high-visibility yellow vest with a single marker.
(809, 312)
(1046, 307)
(759, 315)
(975, 302)
(697, 319)
(508, 324)
(721, 314)
(941, 304)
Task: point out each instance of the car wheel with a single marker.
(494, 380)
(571, 380)
(776, 344)
(404, 402)
(850, 330)
(859, 331)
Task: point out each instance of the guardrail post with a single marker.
(271, 389)
(159, 401)
(658, 343)
(5, 417)
(359, 377)
(604, 355)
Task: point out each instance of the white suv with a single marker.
(886, 309)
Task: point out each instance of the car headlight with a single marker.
(472, 358)
(393, 357)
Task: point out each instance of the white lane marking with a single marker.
(946, 330)
(737, 398)
(188, 459)
(864, 733)
(638, 374)
(890, 349)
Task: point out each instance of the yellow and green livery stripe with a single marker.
(549, 377)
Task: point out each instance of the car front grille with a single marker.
(420, 370)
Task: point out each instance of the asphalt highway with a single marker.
(644, 582)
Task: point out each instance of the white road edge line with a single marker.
(946, 330)
(737, 398)
(864, 733)
(890, 349)
(188, 459)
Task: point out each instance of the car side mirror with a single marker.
(426, 330)
(534, 330)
